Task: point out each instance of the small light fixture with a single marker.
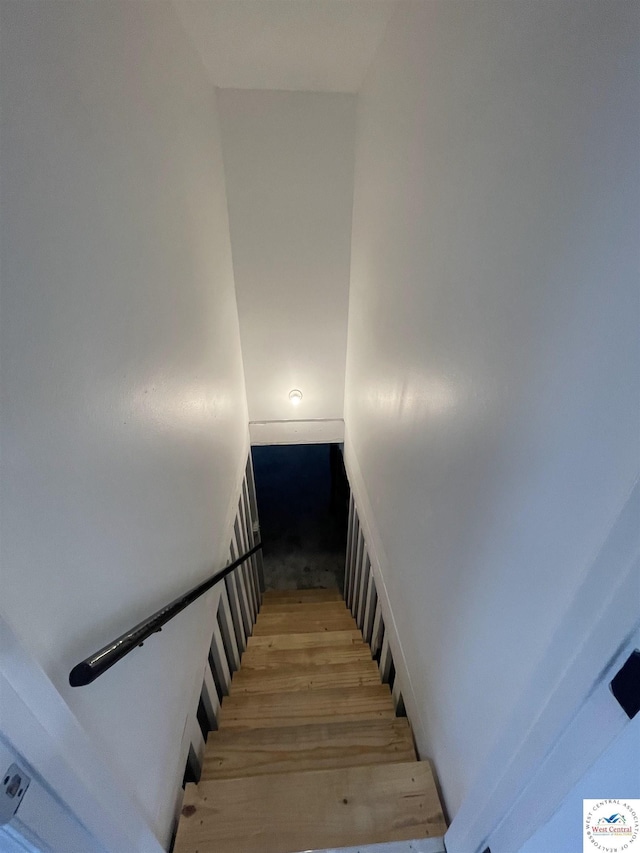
(295, 396)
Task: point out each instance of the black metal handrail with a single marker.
(93, 666)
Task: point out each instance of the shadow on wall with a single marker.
(303, 495)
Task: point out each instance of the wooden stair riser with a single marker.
(263, 710)
(305, 640)
(319, 608)
(266, 660)
(233, 753)
(292, 678)
(285, 623)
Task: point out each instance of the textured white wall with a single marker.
(492, 368)
(289, 166)
(124, 421)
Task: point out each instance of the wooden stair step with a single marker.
(313, 809)
(289, 623)
(290, 678)
(231, 753)
(301, 595)
(338, 705)
(266, 659)
(310, 608)
(306, 640)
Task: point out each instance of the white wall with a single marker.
(124, 421)
(615, 775)
(319, 46)
(289, 165)
(492, 368)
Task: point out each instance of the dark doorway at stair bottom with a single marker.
(303, 497)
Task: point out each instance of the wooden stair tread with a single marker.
(312, 809)
(306, 640)
(265, 659)
(310, 608)
(231, 753)
(314, 677)
(292, 595)
(288, 623)
(308, 751)
(263, 710)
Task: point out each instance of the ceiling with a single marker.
(295, 45)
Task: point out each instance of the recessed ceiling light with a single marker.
(295, 396)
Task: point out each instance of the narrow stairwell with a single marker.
(309, 753)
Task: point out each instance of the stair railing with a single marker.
(96, 664)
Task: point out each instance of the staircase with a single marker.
(309, 753)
